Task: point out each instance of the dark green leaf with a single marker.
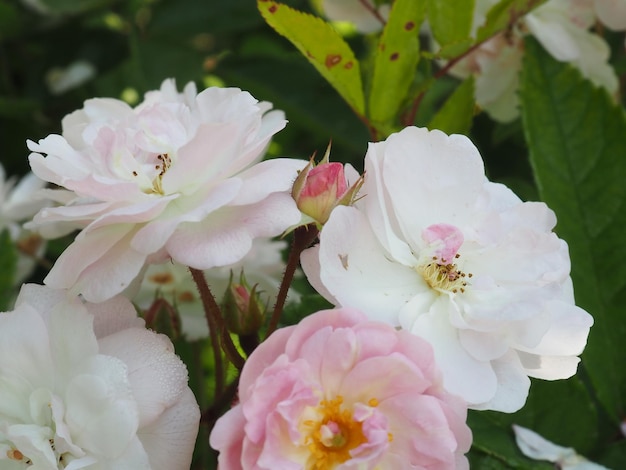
(494, 445)
(549, 412)
(578, 153)
(503, 15)
(396, 60)
(322, 46)
(10, 24)
(455, 116)
(16, 107)
(8, 265)
(74, 6)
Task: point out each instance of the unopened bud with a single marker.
(320, 188)
(242, 308)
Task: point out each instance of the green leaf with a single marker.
(396, 59)
(10, 21)
(74, 6)
(578, 153)
(16, 107)
(8, 266)
(322, 46)
(455, 116)
(494, 445)
(548, 411)
(500, 17)
(450, 20)
(503, 15)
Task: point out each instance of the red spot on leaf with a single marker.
(273, 8)
(381, 47)
(332, 60)
(348, 65)
(394, 56)
(409, 25)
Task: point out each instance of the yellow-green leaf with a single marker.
(450, 20)
(396, 60)
(322, 46)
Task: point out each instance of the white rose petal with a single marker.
(437, 249)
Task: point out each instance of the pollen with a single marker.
(444, 276)
(164, 164)
(332, 436)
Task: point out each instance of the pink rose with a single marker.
(338, 391)
(322, 187)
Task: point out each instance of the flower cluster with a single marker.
(450, 292)
(562, 28)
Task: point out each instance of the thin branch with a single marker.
(410, 116)
(211, 311)
(369, 7)
(302, 238)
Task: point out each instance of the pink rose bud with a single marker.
(242, 308)
(320, 188)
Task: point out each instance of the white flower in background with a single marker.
(365, 14)
(611, 13)
(263, 265)
(87, 386)
(60, 80)
(536, 447)
(17, 204)
(176, 177)
(437, 249)
(561, 26)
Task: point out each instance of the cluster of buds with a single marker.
(243, 310)
(320, 188)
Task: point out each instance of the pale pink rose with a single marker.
(176, 177)
(611, 13)
(339, 392)
(87, 386)
(435, 248)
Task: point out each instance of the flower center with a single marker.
(331, 437)
(440, 271)
(150, 175)
(443, 276)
